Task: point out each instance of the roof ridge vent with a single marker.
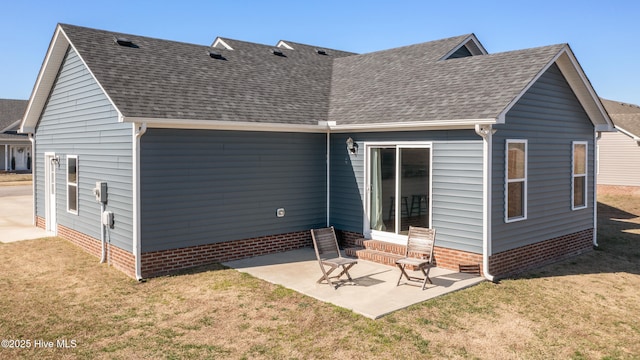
(126, 42)
(278, 52)
(215, 55)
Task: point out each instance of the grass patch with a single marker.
(583, 308)
(11, 179)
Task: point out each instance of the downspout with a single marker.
(597, 136)
(33, 177)
(486, 132)
(328, 177)
(103, 256)
(138, 131)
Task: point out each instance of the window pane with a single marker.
(516, 160)
(383, 190)
(516, 200)
(414, 187)
(72, 170)
(579, 158)
(73, 197)
(578, 191)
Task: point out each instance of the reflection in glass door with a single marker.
(399, 179)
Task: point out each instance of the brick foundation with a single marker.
(118, 258)
(167, 261)
(40, 222)
(349, 238)
(501, 265)
(452, 259)
(545, 252)
(618, 190)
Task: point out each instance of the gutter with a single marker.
(138, 131)
(486, 132)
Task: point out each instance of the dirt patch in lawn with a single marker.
(583, 308)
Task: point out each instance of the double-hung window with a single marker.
(516, 180)
(72, 184)
(579, 175)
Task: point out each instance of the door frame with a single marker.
(50, 203)
(398, 145)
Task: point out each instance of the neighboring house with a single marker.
(212, 153)
(619, 152)
(15, 149)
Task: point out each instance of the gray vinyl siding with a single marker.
(619, 160)
(457, 194)
(460, 53)
(550, 117)
(80, 120)
(200, 187)
(456, 184)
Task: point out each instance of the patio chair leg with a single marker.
(326, 277)
(426, 277)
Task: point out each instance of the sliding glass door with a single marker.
(399, 188)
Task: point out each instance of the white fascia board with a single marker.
(14, 140)
(12, 126)
(225, 125)
(219, 42)
(628, 133)
(284, 45)
(411, 125)
(470, 38)
(47, 77)
(581, 86)
(321, 127)
(44, 81)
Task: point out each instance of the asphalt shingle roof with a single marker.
(401, 85)
(11, 111)
(172, 80)
(624, 115)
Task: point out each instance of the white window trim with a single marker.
(525, 180)
(75, 212)
(382, 235)
(585, 175)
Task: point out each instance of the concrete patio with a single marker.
(372, 293)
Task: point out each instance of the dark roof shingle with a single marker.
(624, 115)
(11, 111)
(411, 83)
(172, 80)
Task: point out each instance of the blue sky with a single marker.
(602, 34)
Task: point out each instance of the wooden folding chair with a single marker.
(419, 254)
(328, 254)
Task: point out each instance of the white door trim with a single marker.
(50, 167)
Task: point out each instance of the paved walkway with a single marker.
(16, 215)
(373, 292)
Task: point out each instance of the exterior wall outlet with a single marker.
(280, 212)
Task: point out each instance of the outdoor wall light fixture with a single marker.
(56, 161)
(352, 147)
